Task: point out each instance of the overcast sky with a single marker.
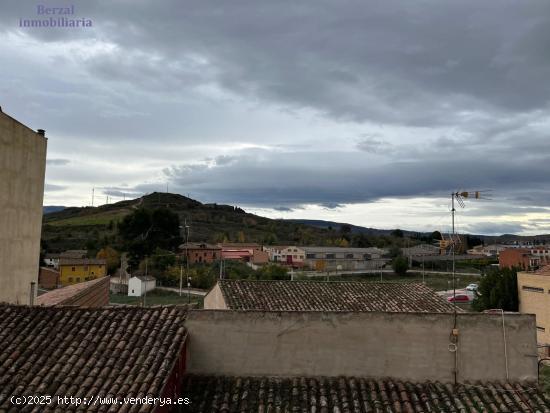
(368, 112)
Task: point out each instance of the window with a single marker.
(310, 256)
(541, 329)
(349, 256)
(330, 256)
(532, 289)
(70, 279)
(132, 290)
(73, 269)
(77, 279)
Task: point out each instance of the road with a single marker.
(194, 291)
(313, 274)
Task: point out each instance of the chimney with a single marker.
(41, 132)
(33, 293)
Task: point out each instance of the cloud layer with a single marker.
(279, 105)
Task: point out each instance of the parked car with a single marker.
(472, 287)
(459, 298)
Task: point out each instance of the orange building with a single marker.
(201, 252)
(518, 258)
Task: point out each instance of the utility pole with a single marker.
(459, 196)
(181, 277)
(453, 247)
(423, 280)
(146, 275)
(187, 262)
(93, 193)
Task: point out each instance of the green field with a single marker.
(102, 218)
(155, 297)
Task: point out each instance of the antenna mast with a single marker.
(459, 197)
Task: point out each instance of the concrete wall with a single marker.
(22, 169)
(410, 346)
(534, 298)
(214, 299)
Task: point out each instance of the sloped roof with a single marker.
(331, 296)
(69, 294)
(105, 352)
(346, 394)
(82, 261)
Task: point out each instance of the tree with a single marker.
(272, 272)
(112, 257)
(144, 230)
(436, 235)
(498, 289)
(397, 233)
(400, 265)
(394, 251)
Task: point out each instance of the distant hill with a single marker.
(52, 208)
(79, 227)
(90, 227)
(338, 225)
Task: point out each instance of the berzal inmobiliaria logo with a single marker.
(55, 17)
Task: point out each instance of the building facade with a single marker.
(343, 259)
(518, 258)
(76, 270)
(48, 278)
(140, 285)
(198, 253)
(534, 298)
(286, 254)
(22, 170)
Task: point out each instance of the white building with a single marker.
(338, 258)
(52, 260)
(286, 254)
(139, 285)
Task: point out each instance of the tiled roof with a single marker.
(331, 296)
(324, 395)
(82, 261)
(199, 245)
(88, 291)
(108, 352)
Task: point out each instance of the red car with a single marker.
(459, 298)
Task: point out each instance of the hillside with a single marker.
(74, 227)
(355, 229)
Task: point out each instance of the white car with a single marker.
(472, 287)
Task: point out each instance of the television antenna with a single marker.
(459, 196)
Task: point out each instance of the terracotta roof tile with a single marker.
(331, 296)
(122, 352)
(63, 296)
(358, 395)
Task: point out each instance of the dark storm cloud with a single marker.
(459, 89)
(331, 179)
(392, 62)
